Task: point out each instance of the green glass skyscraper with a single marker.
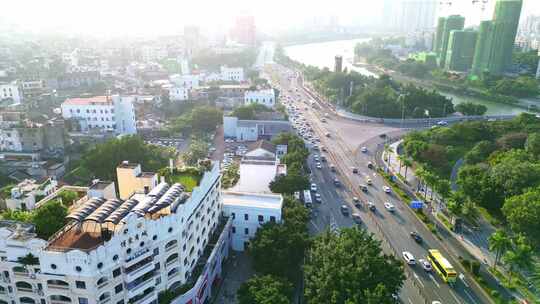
(452, 23)
(496, 38)
(459, 56)
(438, 35)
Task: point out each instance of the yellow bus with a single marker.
(442, 266)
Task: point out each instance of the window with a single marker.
(246, 231)
(83, 301)
(233, 215)
(246, 217)
(80, 284)
(116, 272)
(261, 218)
(118, 288)
(272, 219)
(233, 229)
(78, 268)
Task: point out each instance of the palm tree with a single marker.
(388, 150)
(28, 260)
(518, 257)
(401, 157)
(407, 162)
(500, 243)
(421, 175)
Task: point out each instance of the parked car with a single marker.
(314, 187)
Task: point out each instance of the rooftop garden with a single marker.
(189, 177)
(47, 219)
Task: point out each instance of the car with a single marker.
(319, 166)
(356, 202)
(382, 135)
(336, 182)
(364, 188)
(314, 187)
(323, 148)
(327, 134)
(386, 189)
(323, 158)
(416, 237)
(363, 149)
(318, 198)
(442, 123)
(356, 218)
(389, 207)
(344, 210)
(426, 265)
(370, 165)
(409, 258)
(369, 181)
(371, 206)
(323, 120)
(354, 170)
(332, 168)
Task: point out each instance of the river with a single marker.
(322, 55)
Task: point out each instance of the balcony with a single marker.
(171, 262)
(58, 286)
(137, 257)
(133, 275)
(140, 284)
(146, 298)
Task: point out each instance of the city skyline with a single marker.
(164, 17)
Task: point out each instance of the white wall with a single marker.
(12, 91)
(264, 97)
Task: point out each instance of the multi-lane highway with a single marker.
(393, 228)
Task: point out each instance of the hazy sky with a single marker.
(169, 16)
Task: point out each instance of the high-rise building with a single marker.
(338, 64)
(437, 45)
(417, 15)
(451, 23)
(244, 30)
(459, 56)
(496, 38)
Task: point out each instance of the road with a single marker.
(393, 229)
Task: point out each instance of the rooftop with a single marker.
(100, 185)
(263, 144)
(97, 100)
(255, 178)
(243, 199)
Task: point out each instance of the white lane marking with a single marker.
(410, 301)
(434, 281)
(455, 297)
(418, 279)
(470, 296)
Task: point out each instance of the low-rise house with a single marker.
(253, 130)
(266, 97)
(27, 193)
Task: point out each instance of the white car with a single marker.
(386, 189)
(389, 207)
(442, 123)
(319, 166)
(369, 182)
(318, 197)
(409, 258)
(425, 264)
(363, 149)
(314, 187)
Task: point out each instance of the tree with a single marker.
(288, 184)
(523, 213)
(388, 151)
(278, 248)
(471, 109)
(350, 267)
(28, 260)
(265, 290)
(68, 197)
(519, 257)
(197, 150)
(500, 243)
(49, 218)
(205, 119)
(475, 182)
(532, 145)
(407, 162)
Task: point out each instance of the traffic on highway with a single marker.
(347, 190)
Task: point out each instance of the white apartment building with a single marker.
(105, 113)
(190, 82)
(248, 212)
(265, 97)
(178, 93)
(25, 195)
(122, 251)
(11, 91)
(232, 74)
(10, 140)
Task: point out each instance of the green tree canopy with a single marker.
(49, 218)
(523, 213)
(471, 109)
(265, 289)
(350, 267)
